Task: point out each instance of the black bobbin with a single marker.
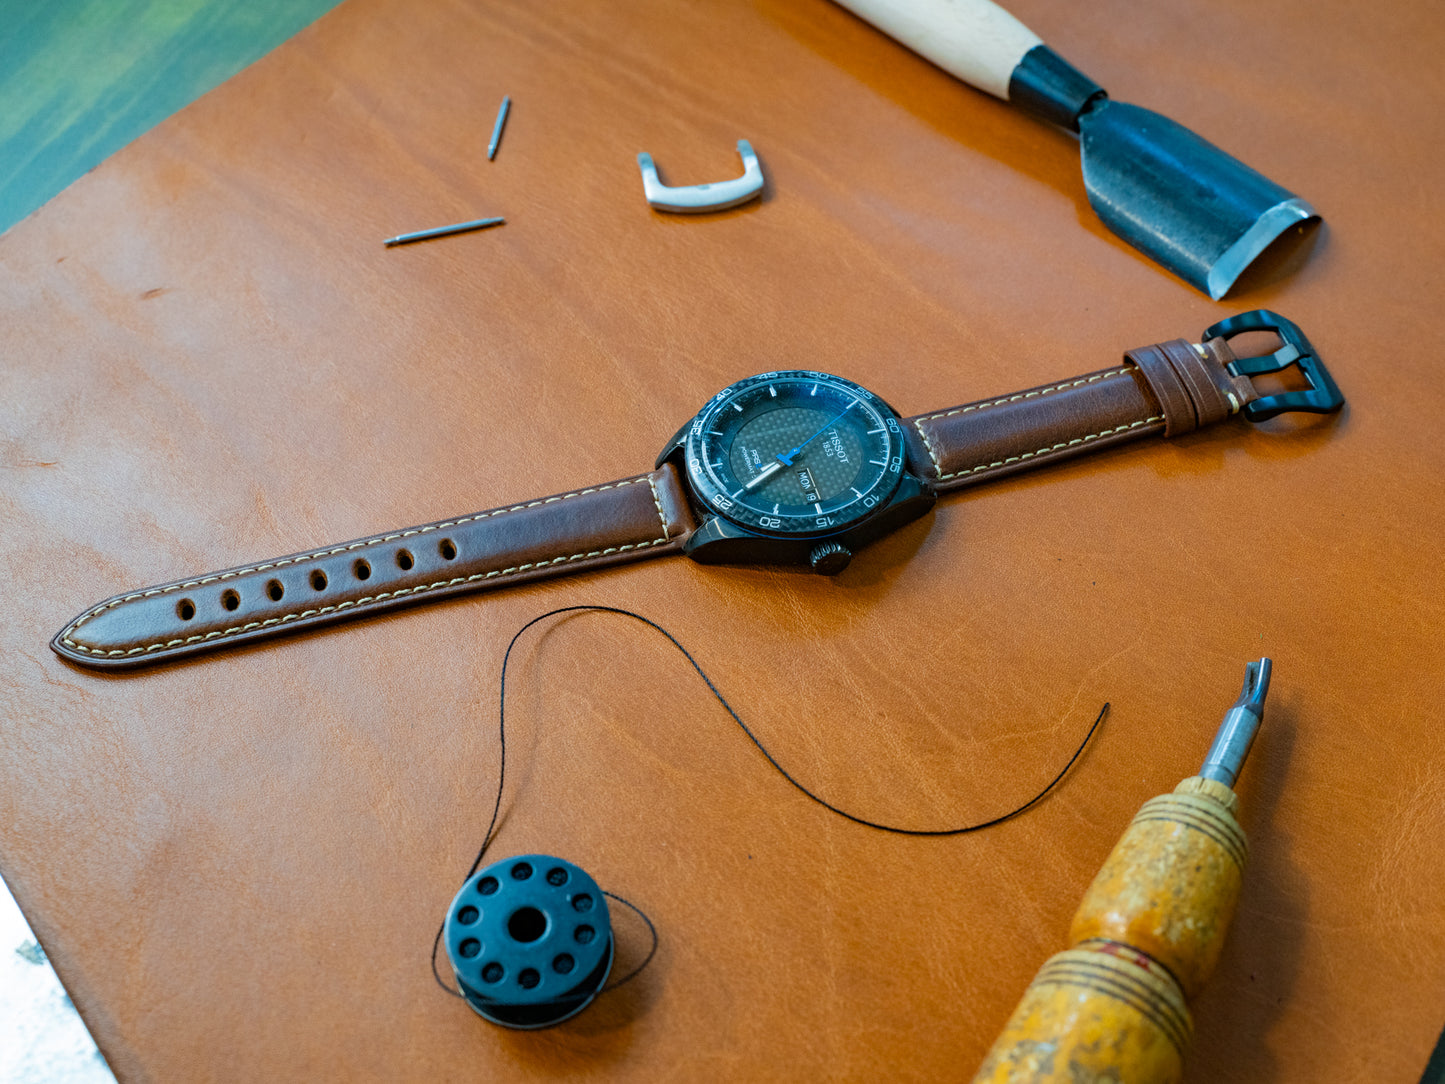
(530, 940)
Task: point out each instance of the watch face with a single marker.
(795, 452)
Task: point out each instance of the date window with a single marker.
(805, 480)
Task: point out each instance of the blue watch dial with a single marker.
(795, 452)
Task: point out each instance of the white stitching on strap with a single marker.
(656, 500)
(1054, 447)
(657, 503)
(1064, 386)
(1024, 395)
(928, 444)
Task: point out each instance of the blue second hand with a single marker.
(787, 460)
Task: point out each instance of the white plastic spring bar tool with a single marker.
(699, 198)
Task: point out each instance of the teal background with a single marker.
(79, 79)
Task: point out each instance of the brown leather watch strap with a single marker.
(602, 525)
(1168, 388)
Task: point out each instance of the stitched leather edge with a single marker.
(66, 635)
(1051, 448)
(1061, 386)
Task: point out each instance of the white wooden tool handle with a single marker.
(976, 40)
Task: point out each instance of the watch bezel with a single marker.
(712, 495)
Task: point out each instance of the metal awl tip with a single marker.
(1256, 686)
(1236, 733)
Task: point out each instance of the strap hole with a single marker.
(404, 559)
(362, 570)
(318, 580)
(230, 600)
(447, 549)
(274, 590)
(185, 609)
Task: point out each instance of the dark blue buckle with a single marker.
(1323, 396)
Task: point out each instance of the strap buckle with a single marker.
(1323, 395)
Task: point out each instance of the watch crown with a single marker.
(830, 558)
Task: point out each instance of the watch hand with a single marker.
(786, 458)
(764, 474)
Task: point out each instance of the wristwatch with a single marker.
(795, 467)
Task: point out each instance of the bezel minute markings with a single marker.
(795, 453)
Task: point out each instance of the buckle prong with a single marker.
(1323, 395)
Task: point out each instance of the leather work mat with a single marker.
(237, 864)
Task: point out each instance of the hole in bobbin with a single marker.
(361, 569)
(527, 924)
(274, 590)
(318, 580)
(185, 609)
(447, 548)
(528, 978)
(404, 560)
(230, 600)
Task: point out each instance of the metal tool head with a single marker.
(1179, 199)
(1236, 734)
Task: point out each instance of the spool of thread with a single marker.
(530, 941)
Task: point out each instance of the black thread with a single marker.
(650, 952)
(502, 772)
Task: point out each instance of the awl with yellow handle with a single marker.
(1148, 933)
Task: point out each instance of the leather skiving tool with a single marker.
(1177, 198)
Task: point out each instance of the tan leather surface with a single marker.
(592, 527)
(238, 863)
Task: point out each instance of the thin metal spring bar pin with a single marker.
(1236, 732)
(442, 231)
(497, 127)
(699, 198)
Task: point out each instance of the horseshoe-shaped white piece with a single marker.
(698, 198)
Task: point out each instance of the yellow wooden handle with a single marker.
(1147, 934)
(1093, 1015)
(1171, 884)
